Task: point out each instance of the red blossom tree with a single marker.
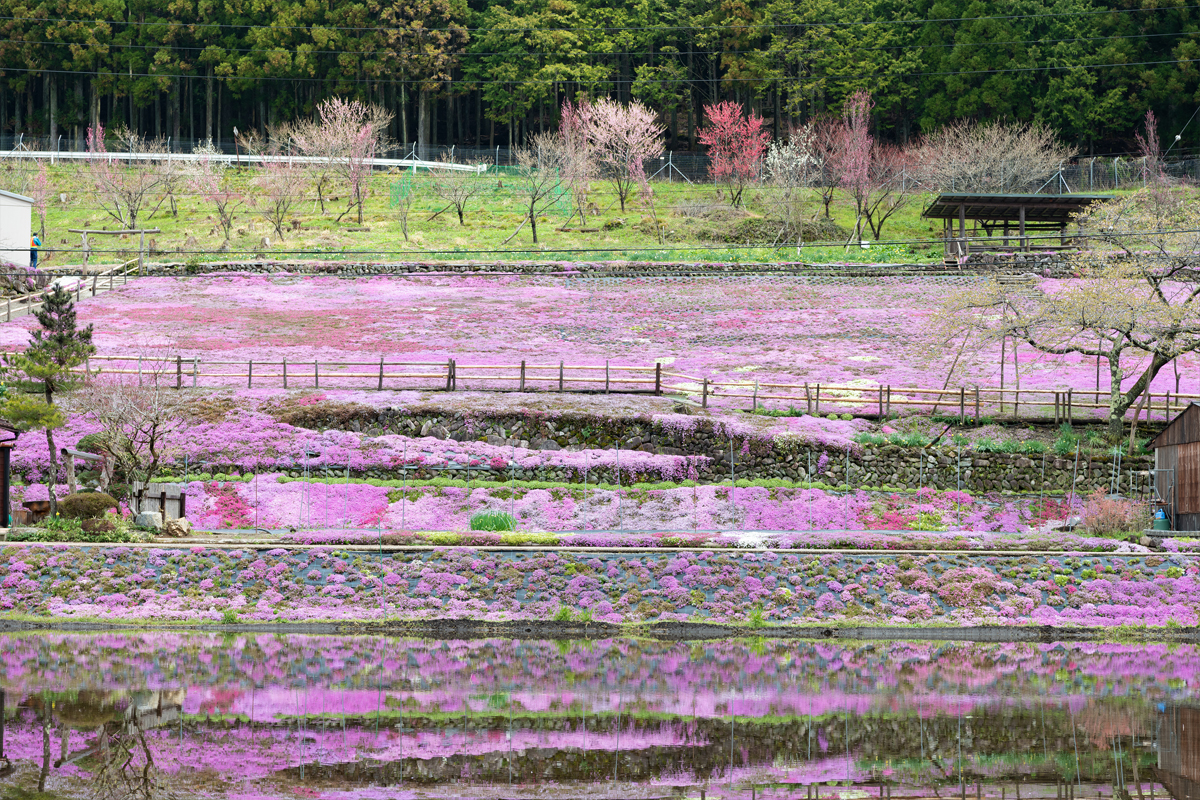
(736, 143)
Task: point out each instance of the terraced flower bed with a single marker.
(753, 587)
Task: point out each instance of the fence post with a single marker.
(962, 405)
(139, 370)
(453, 375)
(704, 395)
(755, 403)
(1070, 407)
(381, 373)
(881, 402)
(195, 370)
(606, 376)
(178, 372)
(316, 375)
(818, 398)
(888, 407)
(560, 377)
(285, 372)
(522, 374)
(807, 399)
(658, 379)
(250, 374)
(976, 405)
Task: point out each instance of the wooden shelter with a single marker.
(1007, 219)
(1177, 469)
(1178, 768)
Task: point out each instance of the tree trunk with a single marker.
(423, 120)
(53, 480)
(208, 104)
(53, 82)
(533, 225)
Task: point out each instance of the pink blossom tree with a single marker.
(580, 165)
(624, 137)
(736, 143)
(209, 181)
(851, 156)
(344, 139)
(280, 187)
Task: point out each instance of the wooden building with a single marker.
(1177, 469)
(1179, 751)
(1009, 221)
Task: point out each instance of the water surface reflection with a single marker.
(245, 717)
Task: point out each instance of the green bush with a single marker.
(493, 521)
(86, 505)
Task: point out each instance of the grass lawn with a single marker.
(697, 225)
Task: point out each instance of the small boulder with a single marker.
(544, 444)
(149, 520)
(177, 528)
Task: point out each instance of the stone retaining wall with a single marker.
(753, 458)
(1042, 263)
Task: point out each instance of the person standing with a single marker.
(34, 244)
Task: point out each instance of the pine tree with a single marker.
(43, 370)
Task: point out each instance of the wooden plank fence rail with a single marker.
(963, 402)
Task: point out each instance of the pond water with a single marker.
(240, 717)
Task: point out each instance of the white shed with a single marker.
(16, 226)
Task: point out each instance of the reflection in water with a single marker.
(345, 718)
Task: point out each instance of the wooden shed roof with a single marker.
(1184, 429)
(1038, 207)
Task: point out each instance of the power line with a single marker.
(614, 82)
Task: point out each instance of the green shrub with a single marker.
(563, 615)
(493, 521)
(86, 505)
(1065, 444)
(1033, 447)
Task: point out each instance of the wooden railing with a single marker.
(108, 279)
(966, 403)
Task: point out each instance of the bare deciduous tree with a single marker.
(580, 166)
(457, 183)
(123, 191)
(988, 157)
(280, 187)
(1134, 307)
(139, 421)
(540, 166)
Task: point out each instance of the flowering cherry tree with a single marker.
(624, 137)
(736, 143)
(344, 140)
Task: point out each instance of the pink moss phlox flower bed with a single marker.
(266, 502)
(255, 441)
(123, 583)
(769, 329)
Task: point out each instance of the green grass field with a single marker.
(697, 225)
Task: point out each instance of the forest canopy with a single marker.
(488, 74)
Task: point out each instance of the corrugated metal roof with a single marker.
(1038, 207)
(16, 196)
(1184, 429)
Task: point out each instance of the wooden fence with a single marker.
(78, 284)
(966, 403)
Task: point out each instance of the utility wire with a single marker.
(468, 83)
